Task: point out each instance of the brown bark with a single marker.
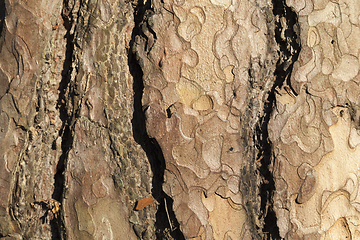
(179, 119)
(70, 168)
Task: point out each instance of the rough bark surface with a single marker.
(179, 119)
(70, 168)
(315, 131)
(207, 68)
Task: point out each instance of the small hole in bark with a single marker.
(30, 136)
(341, 113)
(168, 112)
(53, 145)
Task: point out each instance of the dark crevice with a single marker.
(150, 145)
(66, 132)
(288, 54)
(162, 220)
(288, 42)
(2, 17)
(4, 84)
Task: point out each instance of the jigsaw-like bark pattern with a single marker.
(314, 127)
(207, 68)
(205, 109)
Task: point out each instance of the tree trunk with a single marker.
(179, 119)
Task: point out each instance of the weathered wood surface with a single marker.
(201, 119)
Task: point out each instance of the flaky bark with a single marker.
(315, 134)
(70, 168)
(201, 119)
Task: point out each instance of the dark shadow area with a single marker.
(4, 83)
(66, 132)
(2, 16)
(290, 46)
(162, 220)
(282, 73)
(150, 145)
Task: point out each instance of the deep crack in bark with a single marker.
(289, 49)
(150, 145)
(66, 132)
(2, 18)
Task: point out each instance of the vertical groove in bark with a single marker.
(53, 61)
(139, 129)
(270, 228)
(258, 175)
(204, 164)
(289, 49)
(287, 36)
(257, 180)
(66, 132)
(2, 17)
(150, 145)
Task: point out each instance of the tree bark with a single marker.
(178, 119)
(70, 168)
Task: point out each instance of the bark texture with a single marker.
(315, 132)
(179, 119)
(70, 168)
(207, 68)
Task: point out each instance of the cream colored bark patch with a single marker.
(330, 14)
(323, 189)
(228, 73)
(347, 69)
(340, 230)
(189, 91)
(226, 217)
(204, 102)
(223, 3)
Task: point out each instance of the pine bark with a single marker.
(179, 119)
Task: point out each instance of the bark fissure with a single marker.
(65, 103)
(289, 49)
(150, 145)
(2, 18)
(288, 39)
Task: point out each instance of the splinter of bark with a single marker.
(167, 213)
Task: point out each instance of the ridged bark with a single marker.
(179, 119)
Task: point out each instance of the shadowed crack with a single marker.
(2, 17)
(150, 145)
(289, 52)
(289, 43)
(66, 115)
